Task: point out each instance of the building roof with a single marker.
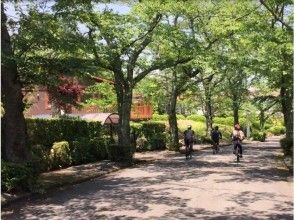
(104, 118)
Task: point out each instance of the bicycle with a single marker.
(237, 151)
(189, 151)
(215, 148)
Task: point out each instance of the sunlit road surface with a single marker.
(206, 187)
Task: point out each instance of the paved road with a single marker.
(205, 187)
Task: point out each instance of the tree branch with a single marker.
(160, 66)
(152, 26)
(289, 28)
(97, 58)
(147, 40)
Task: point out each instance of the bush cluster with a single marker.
(60, 155)
(58, 143)
(149, 135)
(277, 130)
(17, 176)
(157, 117)
(47, 131)
(258, 136)
(200, 118)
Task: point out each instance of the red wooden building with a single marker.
(41, 106)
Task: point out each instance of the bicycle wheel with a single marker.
(238, 153)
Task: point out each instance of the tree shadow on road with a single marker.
(155, 192)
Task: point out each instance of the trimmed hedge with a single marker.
(157, 117)
(200, 118)
(40, 158)
(47, 131)
(71, 142)
(228, 121)
(153, 134)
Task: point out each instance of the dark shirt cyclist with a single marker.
(216, 135)
(189, 136)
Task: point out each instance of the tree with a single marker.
(209, 85)
(274, 52)
(14, 146)
(180, 78)
(124, 46)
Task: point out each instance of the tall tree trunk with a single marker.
(172, 119)
(13, 128)
(261, 119)
(124, 99)
(235, 109)
(287, 109)
(286, 93)
(208, 111)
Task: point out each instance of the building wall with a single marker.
(141, 111)
(39, 103)
(42, 106)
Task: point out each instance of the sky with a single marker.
(46, 7)
(11, 13)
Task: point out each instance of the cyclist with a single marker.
(189, 136)
(215, 136)
(237, 137)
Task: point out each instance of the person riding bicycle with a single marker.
(189, 136)
(237, 137)
(215, 136)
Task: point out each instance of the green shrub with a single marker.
(80, 151)
(141, 144)
(84, 150)
(267, 126)
(256, 125)
(203, 140)
(200, 118)
(17, 177)
(224, 121)
(157, 142)
(60, 155)
(136, 130)
(258, 136)
(155, 134)
(277, 130)
(98, 148)
(228, 121)
(40, 158)
(87, 141)
(287, 146)
(157, 117)
(115, 152)
(47, 131)
(181, 117)
(152, 128)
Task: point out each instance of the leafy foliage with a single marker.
(105, 97)
(17, 177)
(259, 136)
(60, 155)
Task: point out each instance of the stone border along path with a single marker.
(205, 187)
